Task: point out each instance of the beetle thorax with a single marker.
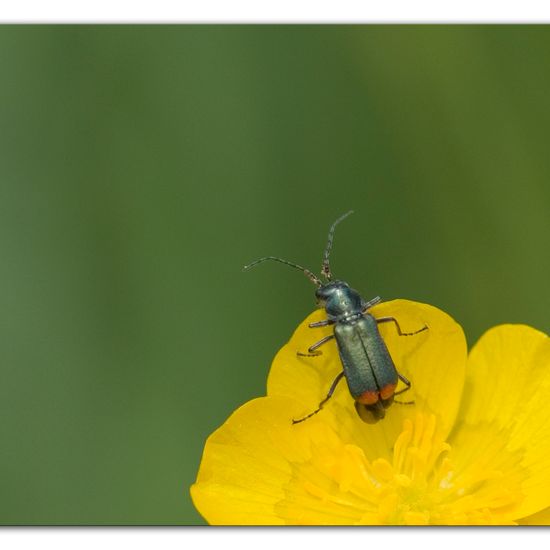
(339, 299)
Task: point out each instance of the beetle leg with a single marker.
(329, 395)
(324, 323)
(400, 332)
(370, 303)
(311, 349)
(405, 381)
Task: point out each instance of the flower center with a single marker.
(426, 482)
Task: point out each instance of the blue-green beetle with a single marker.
(367, 365)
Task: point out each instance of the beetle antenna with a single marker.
(309, 274)
(325, 269)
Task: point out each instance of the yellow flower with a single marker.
(474, 448)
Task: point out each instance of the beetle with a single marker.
(368, 368)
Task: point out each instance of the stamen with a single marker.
(420, 485)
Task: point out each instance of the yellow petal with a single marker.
(540, 518)
(433, 360)
(246, 463)
(507, 389)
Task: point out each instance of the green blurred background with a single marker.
(142, 166)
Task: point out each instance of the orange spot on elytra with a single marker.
(367, 398)
(387, 391)
(371, 397)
